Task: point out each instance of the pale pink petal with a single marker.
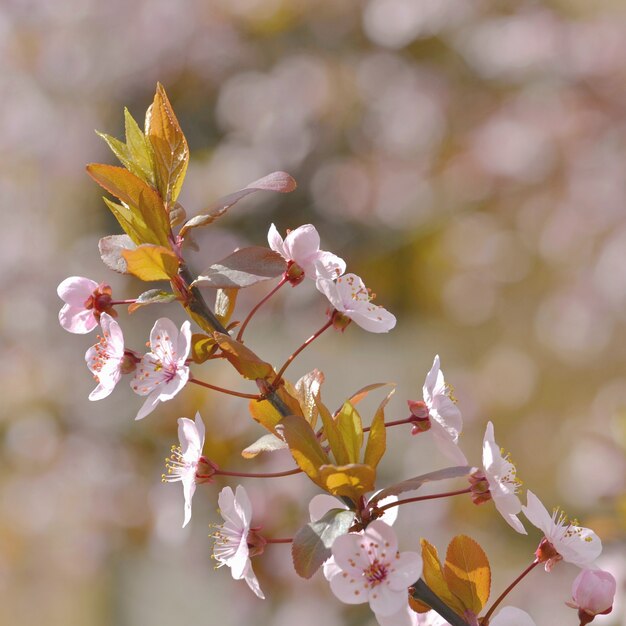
(75, 290)
(276, 241)
(302, 243)
(329, 289)
(404, 617)
(582, 547)
(386, 601)
(536, 513)
(434, 380)
(333, 265)
(593, 591)
(330, 568)
(163, 334)
(381, 538)
(252, 581)
(189, 488)
(149, 405)
(349, 589)
(171, 388)
(504, 507)
(184, 342)
(190, 441)
(407, 569)
(243, 506)
(350, 554)
(77, 320)
(374, 319)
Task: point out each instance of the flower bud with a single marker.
(593, 591)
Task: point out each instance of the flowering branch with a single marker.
(433, 496)
(229, 392)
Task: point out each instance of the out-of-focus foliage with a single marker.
(465, 156)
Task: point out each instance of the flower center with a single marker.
(176, 466)
(100, 357)
(376, 573)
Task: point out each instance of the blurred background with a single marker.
(466, 157)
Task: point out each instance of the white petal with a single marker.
(404, 617)
(445, 443)
(189, 488)
(349, 589)
(537, 514)
(252, 581)
(350, 555)
(184, 342)
(302, 243)
(189, 438)
(386, 601)
(226, 504)
(275, 241)
(243, 505)
(330, 568)
(434, 379)
(329, 289)
(333, 265)
(407, 569)
(77, 320)
(171, 388)
(164, 339)
(149, 405)
(374, 318)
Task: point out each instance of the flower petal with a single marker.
(275, 241)
(512, 616)
(75, 290)
(252, 581)
(386, 601)
(302, 243)
(407, 568)
(349, 589)
(77, 320)
(149, 405)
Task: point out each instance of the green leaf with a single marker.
(313, 542)
(152, 296)
(248, 364)
(266, 443)
(467, 573)
(350, 429)
(276, 181)
(171, 153)
(377, 439)
(144, 209)
(304, 446)
(243, 268)
(413, 484)
(149, 262)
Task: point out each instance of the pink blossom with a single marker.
(593, 592)
(183, 463)
(106, 358)
(369, 568)
(563, 540)
(231, 539)
(302, 247)
(502, 479)
(85, 300)
(439, 414)
(349, 296)
(162, 372)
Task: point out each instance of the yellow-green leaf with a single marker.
(304, 446)
(139, 150)
(146, 212)
(265, 414)
(150, 262)
(306, 390)
(202, 347)
(377, 439)
(351, 480)
(434, 578)
(132, 224)
(467, 572)
(331, 432)
(171, 153)
(350, 429)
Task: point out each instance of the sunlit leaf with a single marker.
(171, 153)
(145, 210)
(248, 364)
(202, 347)
(351, 480)
(243, 268)
(266, 443)
(276, 181)
(412, 484)
(304, 446)
(149, 262)
(377, 438)
(140, 150)
(152, 296)
(350, 429)
(467, 573)
(225, 300)
(306, 390)
(433, 575)
(111, 251)
(362, 393)
(331, 432)
(313, 542)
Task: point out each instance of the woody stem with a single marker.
(422, 498)
(292, 472)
